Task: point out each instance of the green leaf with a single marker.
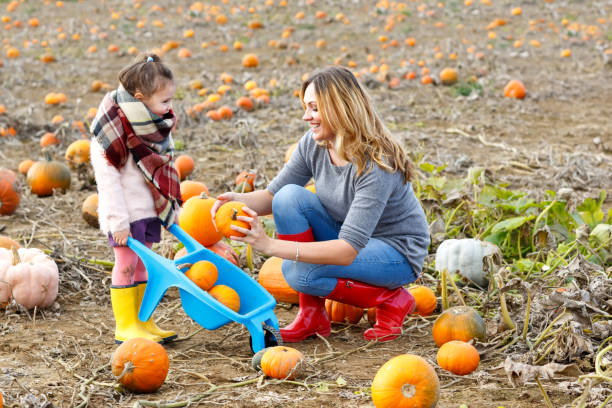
(428, 167)
(511, 224)
(341, 381)
(590, 211)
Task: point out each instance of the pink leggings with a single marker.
(128, 267)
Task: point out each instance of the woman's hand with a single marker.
(222, 199)
(255, 236)
(121, 237)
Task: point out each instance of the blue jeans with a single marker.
(295, 210)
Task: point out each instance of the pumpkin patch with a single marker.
(501, 109)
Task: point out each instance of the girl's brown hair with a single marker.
(361, 136)
(147, 74)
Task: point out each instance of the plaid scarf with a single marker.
(124, 125)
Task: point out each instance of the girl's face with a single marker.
(320, 131)
(159, 102)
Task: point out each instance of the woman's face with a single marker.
(320, 131)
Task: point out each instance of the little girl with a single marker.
(138, 187)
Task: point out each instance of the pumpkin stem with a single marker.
(203, 195)
(128, 367)
(234, 214)
(444, 293)
(16, 258)
(408, 390)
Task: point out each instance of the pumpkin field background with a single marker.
(463, 137)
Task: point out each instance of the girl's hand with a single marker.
(256, 236)
(121, 237)
(222, 199)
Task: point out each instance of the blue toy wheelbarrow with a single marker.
(256, 304)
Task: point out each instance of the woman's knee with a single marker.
(286, 198)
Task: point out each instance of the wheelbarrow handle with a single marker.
(190, 244)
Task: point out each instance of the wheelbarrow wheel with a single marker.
(272, 337)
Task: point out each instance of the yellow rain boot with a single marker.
(125, 308)
(149, 325)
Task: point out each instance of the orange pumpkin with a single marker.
(250, 61)
(78, 153)
(24, 166)
(140, 365)
(245, 103)
(281, 362)
(8, 243)
(458, 323)
(425, 299)
(448, 76)
(49, 139)
(196, 220)
(272, 279)
(204, 274)
(226, 251)
(458, 357)
(10, 193)
(46, 176)
(89, 210)
(225, 112)
(227, 215)
(515, 89)
(226, 295)
(343, 313)
(245, 176)
(190, 188)
(406, 381)
(184, 165)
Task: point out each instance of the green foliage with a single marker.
(534, 236)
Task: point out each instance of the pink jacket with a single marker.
(123, 195)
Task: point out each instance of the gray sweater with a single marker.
(376, 204)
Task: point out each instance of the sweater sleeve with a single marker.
(372, 192)
(297, 170)
(110, 192)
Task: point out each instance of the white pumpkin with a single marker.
(465, 256)
(29, 276)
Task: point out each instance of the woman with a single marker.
(364, 234)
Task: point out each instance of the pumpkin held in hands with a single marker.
(29, 276)
(406, 380)
(140, 365)
(227, 215)
(195, 220)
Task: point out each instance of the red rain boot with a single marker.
(392, 306)
(310, 320)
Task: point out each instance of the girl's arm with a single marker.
(333, 252)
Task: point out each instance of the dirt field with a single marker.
(559, 136)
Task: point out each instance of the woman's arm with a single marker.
(333, 252)
(260, 201)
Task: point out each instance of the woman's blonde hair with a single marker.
(361, 136)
